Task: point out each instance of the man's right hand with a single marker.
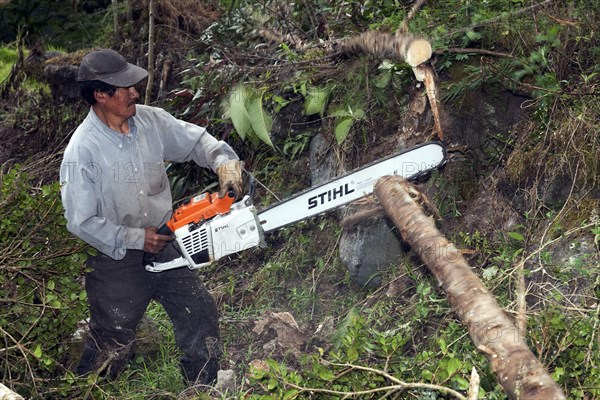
(154, 242)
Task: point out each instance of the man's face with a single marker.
(122, 103)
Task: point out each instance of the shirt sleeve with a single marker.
(80, 201)
(184, 141)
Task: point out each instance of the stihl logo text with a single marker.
(329, 195)
(220, 228)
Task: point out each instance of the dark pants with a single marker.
(119, 293)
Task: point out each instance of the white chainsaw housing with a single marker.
(206, 242)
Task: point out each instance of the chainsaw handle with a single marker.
(164, 230)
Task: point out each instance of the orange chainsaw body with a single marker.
(200, 208)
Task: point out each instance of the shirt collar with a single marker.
(116, 137)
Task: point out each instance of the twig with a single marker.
(399, 384)
(403, 28)
(472, 50)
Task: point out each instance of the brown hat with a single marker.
(110, 67)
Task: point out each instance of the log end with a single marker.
(418, 52)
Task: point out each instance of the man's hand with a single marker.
(153, 242)
(230, 178)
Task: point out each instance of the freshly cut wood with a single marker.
(7, 394)
(431, 88)
(517, 369)
(406, 47)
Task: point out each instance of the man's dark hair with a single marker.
(88, 88)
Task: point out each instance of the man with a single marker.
(116, 193)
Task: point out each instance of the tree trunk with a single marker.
(115, 22)
(518, 371)
(150, 83)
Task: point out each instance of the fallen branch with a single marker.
(473, 51)
(403, 28)
(399, 385)
(517, 369)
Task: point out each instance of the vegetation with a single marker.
(266, 77)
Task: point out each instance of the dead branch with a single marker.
(469, 50)
(403, 28)
(517, 369)
(398, 384)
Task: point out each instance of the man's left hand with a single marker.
(230, 178)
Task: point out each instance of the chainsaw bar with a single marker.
(410, 164)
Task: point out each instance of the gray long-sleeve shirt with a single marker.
(114, 185)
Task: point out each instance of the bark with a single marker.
(521, 375)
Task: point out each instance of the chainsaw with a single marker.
(207, 228)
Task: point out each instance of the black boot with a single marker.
(200, 372)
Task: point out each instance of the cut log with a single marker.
(406, 47)
(517, 370)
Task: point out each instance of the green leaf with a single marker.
(490, 272)
(472, 35)
(315, 101)
(352, 355)
(326, 375)
(342, 128)
(517, 236)
(358, 114)
(383, 79)
(37, 353)
(237, 111)
(291, 394)
(340, 113)
(453, 365)
(260, 120)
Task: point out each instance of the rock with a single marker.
(489, 214)
(225, 381)
(323, 165)
(369, 249)
(284, 332)
(567, 273)
(63, 81)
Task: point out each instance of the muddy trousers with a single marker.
(119, 293)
